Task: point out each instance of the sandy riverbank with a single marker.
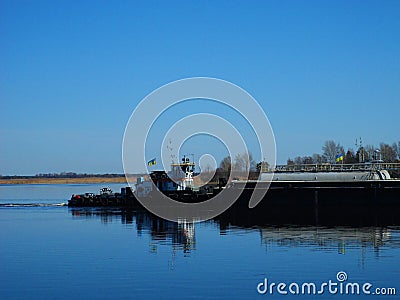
(84, 180)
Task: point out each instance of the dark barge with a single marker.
(106, 198)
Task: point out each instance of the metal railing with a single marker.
(327, 167)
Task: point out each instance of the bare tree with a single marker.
(307, 160)
(239, 163)
(298, 160)
(388, 153)
(226, 164)
(396, 148)
(248, 162)
(243, 164)
(350, 157)
(290, 162)
(369, 152)
(331, 149)
(207, 174)
(318, 158)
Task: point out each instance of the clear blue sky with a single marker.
(72, 72)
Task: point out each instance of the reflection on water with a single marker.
(52, 252)
(322, 238)
(181, 236)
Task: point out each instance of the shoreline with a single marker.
(85, 180)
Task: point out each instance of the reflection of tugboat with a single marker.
(181, 235)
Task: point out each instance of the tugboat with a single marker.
(177, 184)
(105, 198)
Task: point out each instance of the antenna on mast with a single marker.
(362, 152)
(170, 149)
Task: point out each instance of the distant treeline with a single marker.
(64, 175)
(333, 152)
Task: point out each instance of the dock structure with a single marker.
(328, 167)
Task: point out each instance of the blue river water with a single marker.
(49, 251)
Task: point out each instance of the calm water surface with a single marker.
(55, 252)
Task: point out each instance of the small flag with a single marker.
(152, 162)
(339, 157)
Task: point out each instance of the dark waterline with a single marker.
(58, 252)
